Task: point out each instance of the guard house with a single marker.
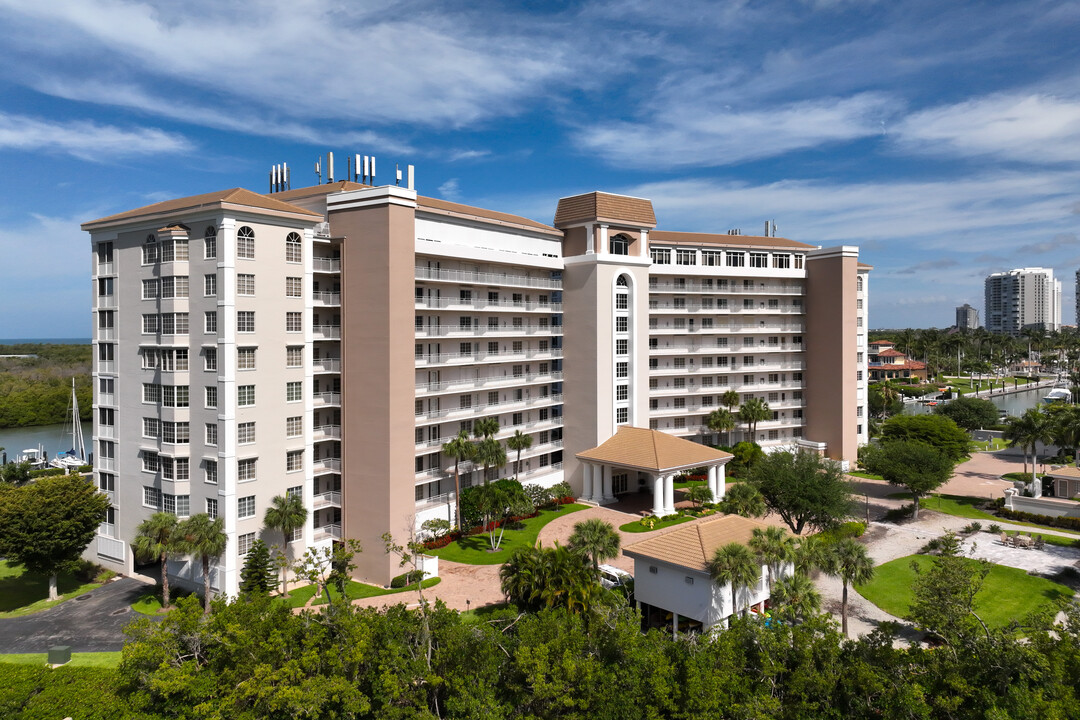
(636, 458)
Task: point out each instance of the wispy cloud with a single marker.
(1059, 241)
(925, 265)
(86, 139)
(450, 190)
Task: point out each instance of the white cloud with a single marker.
(450, 190)
(1022, 127)
(85, 139)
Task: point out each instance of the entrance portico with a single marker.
(653, 456)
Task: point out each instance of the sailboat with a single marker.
(75, 457)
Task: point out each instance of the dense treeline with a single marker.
(259, 660)
(37, 391)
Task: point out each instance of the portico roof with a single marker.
(692, 545)
(653, 451)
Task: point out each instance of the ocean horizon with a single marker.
(45, 341)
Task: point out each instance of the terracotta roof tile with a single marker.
(467, 211)
(692, 545)
(724, 240)
(1066, 472)
(891, 353)
(314, 190)
(652, 450)
(234, 196)
(605, 207)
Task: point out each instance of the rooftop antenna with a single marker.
(397, 171)
(348, 168)
(411, 177)
(367, 170)
(766, 228)
(330, 168)
(287, 179)
(773, 228)
(271, 178)
(371, 178)
(318, 169)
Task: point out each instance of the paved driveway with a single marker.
(93, 622)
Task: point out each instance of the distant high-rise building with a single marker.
(967, 317)
(1077, 298)
(1026, 297)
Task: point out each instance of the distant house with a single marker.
(888, 363)
(671, 576)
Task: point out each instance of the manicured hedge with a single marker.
(46, 472)
(28, 691)
(1066, 523)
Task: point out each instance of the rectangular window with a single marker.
(151, 428)
(150, 324)
(294, 356)
(174, 323)
(622, 415)
(174, 397)
(735, 259)
(759, 259)
(245, 284)
(245, 507)
(151, 498)
(245, 395)
(210, 322)
(621, 301)
(294, 287)
(622, 369)
(174, 287)
(245, 433)
(710, 257)
(294, 426)
(660, 256)
(151, 393)
(294, 460)
(294, 322)
(245, 358)
(621, 392)
(686, 257)
(781, 260)
(244, 543)
(151, 360)
(622, 347)
(175, 433)
(209, 358)
(294, 391)
(209, 285)
(621, 324)
(150, 289)
(245, 321)
(150, 254)
(245, 469)
(211, 508)
(211, 434)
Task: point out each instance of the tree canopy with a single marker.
(970, 413)
(937, 430)
(805, 489)
(914, 465)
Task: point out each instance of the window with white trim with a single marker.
(245, 321)
(294, 426)
(294, 391)
(244, 543)
(245, 284)
(294, 460)
(210, 285)
(245, 243)
(209, 358)
(245, 395)
(294, 251)
(212, 508)
(294, 322)
(210, 243)
(245, 433)
(211, 434)
(245, 358)
(210, 471)
(245, 469)
(245, 507)
(151, 497)
(151, 289)
(211, 396)
(294, 287)
(210, 322)
(294, 356)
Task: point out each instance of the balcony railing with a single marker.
(325, 299)
(326, 398)
(655, 306)
(106, 268)
(110, 547)
(326, 332)
(106, 301)
(485, 408)
(488, 357)
(727, 288)
(485, 278)
(106, 399)
(473, 330)
(327, 365)
(106, 366)
(327, 499)
(328, 531)
(106, 431)
(489, 381)
(104, 463)
(327, 432)
(326, 265)
(106, 333)
(485, 304)
(326, 465)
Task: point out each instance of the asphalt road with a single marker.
(93, 622)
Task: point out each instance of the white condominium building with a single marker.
(326, 341)
(1026, 297)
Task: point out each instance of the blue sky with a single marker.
(943, 138)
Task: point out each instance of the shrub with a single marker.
(405, 579)
(436, 527)
(994, 529)
(561, 491)
(540, 496)
(899, 514)
(852, 529)
(972, 528)
(46, 472)
(1067, 523)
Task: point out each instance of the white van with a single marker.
(611, 576)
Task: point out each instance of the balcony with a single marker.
(655, 306)
(106, 399)
(489, 408)
(481, 330)
(694, 286)
(326, 332)
(326, 299)
(325, 465)
(328, 432)
(106, 268)
(104, 463)
(327, 399)
(107, 333)
(327, 365)
(106, 431)
(327, 499)
(326, 265)
(489, 381)
(467, 358)
(106, 366)
(110, 547)
(106, 301)
(473, 277)
(484, 304)
(328, 532)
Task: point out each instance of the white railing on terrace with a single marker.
(110, 547)
(327, 499)
(326, 298)
(329, 365)
(328, 531)
(106, 431)
(483, 408)
(730, 288)
(489, 380)
(441, 499)
(326, 464)
(326, 332)
(106, 366)
(540, 470)
(323, 432)
(656, 306)
(706, 389)
(698, 329)
(482, 356)
(486, 278)
(503, 434)
(327, 398)
(471, 330)
(106, 399)
(321, 264)
(484, 303)
(692, 370)
(106, 268)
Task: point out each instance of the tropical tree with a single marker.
(743, 499)
(736, 566)
(205, 539)
(489, 453)
(597, 539)
(519, 441)
(1027, 431)
(805, 489)
(775, 547)
(849, 561)
(910, 464)
(943, 595)
(936, 430)
(1065, 428)
(721, 420)
(257, 574)
(795, 598)
(730, 400)
(970, 413)
(699, 495)
(155, 538)
(286, 514)
(498, 502)
(533, 578)
(459, 448)
(752, 412)
(486, 428)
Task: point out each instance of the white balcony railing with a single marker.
(104, 463)
(489, 381)
(107, 333)
(106, 301)
(326, 465)
(325, 299)
(327, 432)
(486, 278)
(110, 547)
(327, 398)
(328, 531)
(326, 332)
(106, 268)
(530, 354)
(483, 330)
(327, 499)
(326, 265)
(106, 431)
(485, 408)
(327, 365)
(485, 304)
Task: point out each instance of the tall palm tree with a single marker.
(206, 539)
(490, 453)
(519, 441)
(286, 514)
(775, 547)
(597, 539)
(154, 540)
(849, 561)
(752, 412)
(486, 428)
(536, 577)
(730, 400)
(736, 566)
(460, 448)
(796, 598)
(1066, 429)
(721, 421)
(1026, 431)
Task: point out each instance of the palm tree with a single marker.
(286, 514)
(597, 539)
(721, 421)
(1026, 431)
(460, 448)
(536, 577)
(796, 597)
(154, 540)
(752, 412)
(1066, 429)
(490, 453)
(519, 441)
(486, 428)
(745, 500)
(849, 561)
(206, 539)
(730, 400)
(734, 565)
(775, 547)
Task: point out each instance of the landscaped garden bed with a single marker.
(353, 591)
(476, 549)
(650, 523)
(23, 593)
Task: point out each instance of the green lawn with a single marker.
(957, 505)
(85, 659)
(475, 549)
(683, 484)
(991, 444)
(637, 527)
(1007, 593)
(150, 603)
(865, 475)
(482, 614)
(23, 593)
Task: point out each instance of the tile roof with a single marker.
(882, 342)
(865, 266)
(605, 207)
(233, 196)
(473, 213)
(891, 353)
(1065, 472)
(652, 450)
(314, 190)
(725, 240)
(692, 545)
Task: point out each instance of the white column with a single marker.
(658, 495)
(721, 484)
(590, 239)
(602, 240)
(586, 481)
(669, 494)
(608, 496)
(712, 482)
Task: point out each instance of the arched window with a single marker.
(210, 242)
(245, 243)
(294, 252)
(622, 281)
(858, 283)
(620, 244)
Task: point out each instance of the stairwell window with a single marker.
(620, 245)
(294, 252)
(210, 243)
(245, 243)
